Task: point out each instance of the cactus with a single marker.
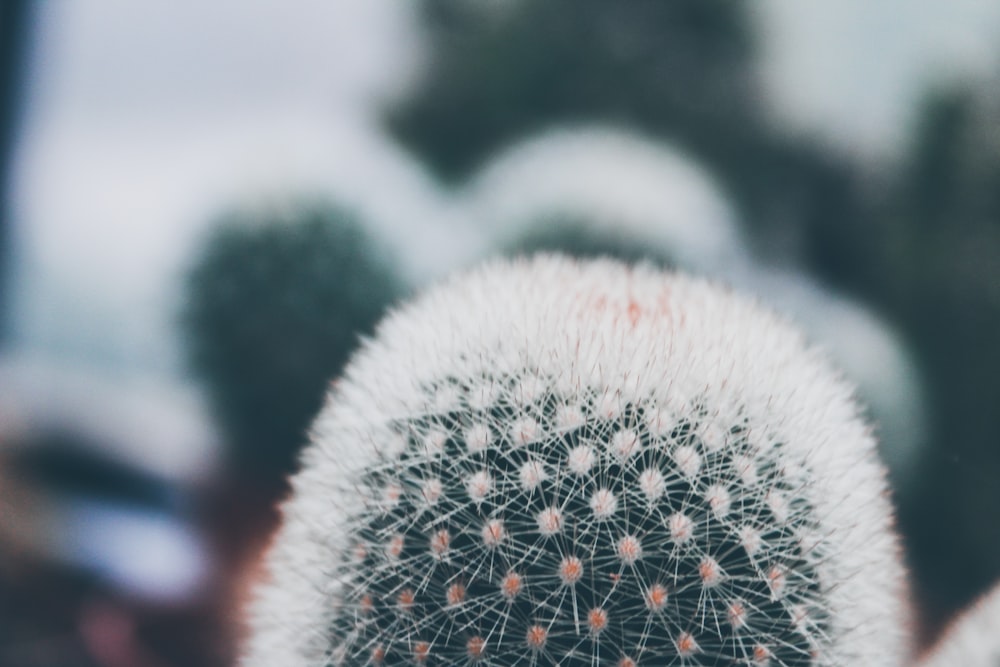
(596, 190)
(548, 462)
(973, 640)
(275, 304)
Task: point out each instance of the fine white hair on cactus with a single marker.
(973, 640)
(726, 508)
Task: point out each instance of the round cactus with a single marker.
(548, 462)
(593, 190)
(274, 306)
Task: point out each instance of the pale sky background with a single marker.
(144, 118)
(852, 71)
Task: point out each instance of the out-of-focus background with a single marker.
(205, 205)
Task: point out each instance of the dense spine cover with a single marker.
(548, 462)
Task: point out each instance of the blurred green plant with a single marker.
(929, 260)
(524, 65)
(942, 261)
(275, 303)
(683, 71)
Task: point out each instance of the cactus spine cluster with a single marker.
(578, 464)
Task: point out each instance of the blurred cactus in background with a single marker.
(939, 275)
(930, 263)
(549, 462)
(275, 304)
(658, 65)
(578, 189)
(683, 72)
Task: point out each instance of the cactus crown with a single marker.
(584, 464)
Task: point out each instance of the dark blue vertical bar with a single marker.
(15, 26)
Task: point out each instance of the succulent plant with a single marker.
(548, 462)
(598, 190)
(275, 304)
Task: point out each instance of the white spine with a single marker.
(579, 334)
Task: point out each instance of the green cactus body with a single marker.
(275, 305)
(518, 526)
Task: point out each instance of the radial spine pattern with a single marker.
(550, 463)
